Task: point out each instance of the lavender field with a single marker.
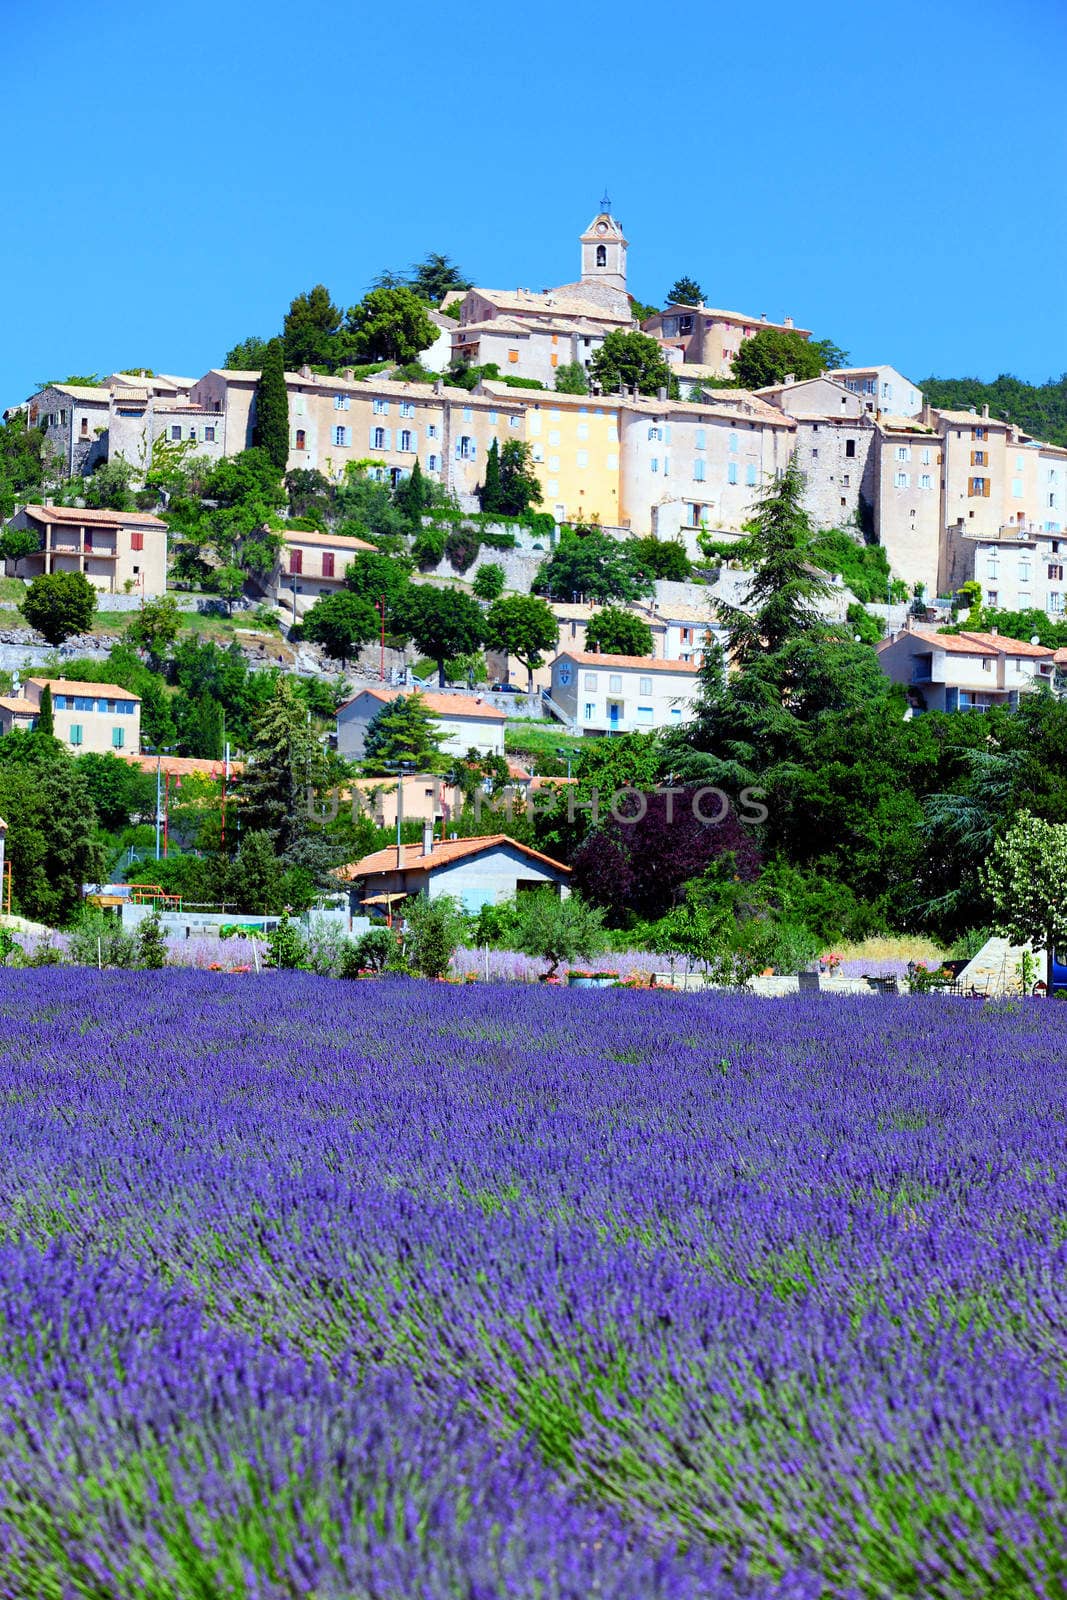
(407, 1291)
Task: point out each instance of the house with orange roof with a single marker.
(964, 671)
(311, 565)
(98, 717)
(118, 551)
(467, 721)
(477, 872)
(601, 694)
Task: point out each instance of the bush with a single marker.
(151, 944)
(45, 954)
(286, 948)
(100, 940)
(373, 951)
(325, 947)
(435, 929)
(8, 946)
(558, 930)
(428, 547)
(461, 548)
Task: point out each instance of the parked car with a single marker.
(505, 688)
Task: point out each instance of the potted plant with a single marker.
(577, 979)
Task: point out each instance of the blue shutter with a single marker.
(388, 438)
(457, 449)
(667, 434)
(474, 449)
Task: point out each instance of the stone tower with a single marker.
(604, 250)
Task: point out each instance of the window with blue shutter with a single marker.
(702, 439)
(698, 471)
(118, 738)
(750, 475)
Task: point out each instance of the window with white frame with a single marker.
(1055, 600)
(698, 472)
(615, 683)
(340, 402)
(644, 686)
(379, 439)
(431, 430)
(406, 443)
(431, 463)
(926, 458)
(380, 408)
(407, 408)
(340, 435)
(903, 452)
(901, 480)
(590, 680)
(925, 481)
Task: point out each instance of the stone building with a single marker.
(120, 552)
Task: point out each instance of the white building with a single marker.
(964, 671)
(881, 388)
(622, 694)
(467, 722)
(477, 872)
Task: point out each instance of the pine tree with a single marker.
(271, 428)
(285, 759)
(45, 720)
(489, 493)
(404, 730)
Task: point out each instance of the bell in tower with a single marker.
(604, 250)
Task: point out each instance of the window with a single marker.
(979, 487)
(85, 427)
(901, 480)
(340, 402)
(655, 463)
(1016, 488)
(136, 539)
(381, 408)
(327, 564)
(76, 733)
(1055, 572)
(615, 683)
(1055, 601)
(655, 433)
(468, 414)
(588, 711)
(405, 439)
(698, 472)
(601, 255)
(513, 356)
(590, 680)
(702, 439)
(1024, 572)
(118, 738)
(407, 408)
(88, 538)
(850, 447)
(296, 562)
(926, 482)
(846, 479)
(176, 432)
(887, 391)
(903, 452)
(431, 464)
(926, 458)
(978, 433)
(987, 665)
(209, 435)
(750, 475)
(581, 459)
(731, 472)
(340, 435)
(492, 416)
(431, 430)
(644, 714)
(815, 455)
(378, 439)
(644, 686)
(59, 702)
(465, 448)
(991, 568)
(513, 422)
(732, 442)
(993, 596)
(301, 439)
(978, 458)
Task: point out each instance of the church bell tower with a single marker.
(604, 250)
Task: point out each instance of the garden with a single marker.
(403, 1289)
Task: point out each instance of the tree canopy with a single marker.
(341, 623)
(404, 730)
(523, 626)
(59, 605)
(772, 353)
(618, 632)
(685, 291)
(630, 359)
(511, 486)
(591, 564)
(390, 325)
(444, 623)
(311, 330)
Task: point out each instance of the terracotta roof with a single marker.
(382, 863)
(307, 536)
(442, 704)
(974, 644)
(590, 658)
(184, 766)
(81, 516)
(1010, 647)
(675, 308)
(973, 419)
(20, 706)
(99, 691)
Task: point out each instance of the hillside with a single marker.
(1038, 408)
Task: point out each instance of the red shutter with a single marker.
(136, 541)
(327, 563)
(296, 561)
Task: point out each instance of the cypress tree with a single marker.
(271, 428)
(489, 494)
(45, 720)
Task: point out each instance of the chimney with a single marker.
(994, 631)
(763, 316)
(661, 394)
(790, 378)
(348, 374)
(973, 410)
(305, 371)
(787, 322)
(438, 386)
(985, 411)
(427, 838)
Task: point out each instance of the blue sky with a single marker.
(892, 177)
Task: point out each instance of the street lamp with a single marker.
(567, 756)
(159, 751)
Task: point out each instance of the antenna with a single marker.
(605, 200)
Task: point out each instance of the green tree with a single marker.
(405, 729)
(151, 943)
(200, 726)
(18, 543)
(228, 582)
(120, 792)
(435, 276)
(556, 930)
(523, 626)
(341, 623)
(413, 497)
(489, 581)
(23, 455)
(1024, 876)
(592, 564)
(285, 759)
(311, 333)
(372, 576)
(685, 291)
(270, 428)
(628, 360)
(781, 600)
(51, 839)
(248, 356)
(619, 632)
(520, 489)
(434, 929)
(663, 558)
(391, 325)
(571, 378)
(771, 353)
(155, 626)
(108, 487)
(443, 624)
(59, 605)
(489, 493)
(46, 725)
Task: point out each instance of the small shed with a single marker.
(478, 872)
